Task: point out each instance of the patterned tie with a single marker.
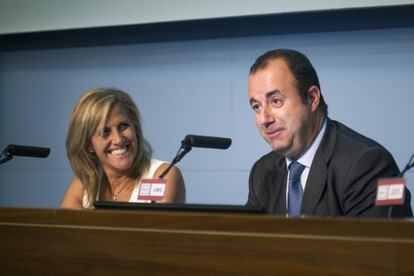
(295, 194)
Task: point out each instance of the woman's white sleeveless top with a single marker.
(155, 164)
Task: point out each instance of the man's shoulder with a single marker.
(269, 161)
(351, 139)
(347, 146)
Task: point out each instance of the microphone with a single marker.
(209, 142)
(197, 141)
(27, 151)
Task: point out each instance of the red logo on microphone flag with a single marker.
(390, 191)
(152, 189)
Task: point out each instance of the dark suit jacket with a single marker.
(342, 180)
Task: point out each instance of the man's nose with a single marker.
(265, 117)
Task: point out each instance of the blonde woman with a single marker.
(108, 153)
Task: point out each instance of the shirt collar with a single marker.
(307, 158)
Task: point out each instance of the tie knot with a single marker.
(295, 170)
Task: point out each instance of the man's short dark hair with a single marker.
(301, 68)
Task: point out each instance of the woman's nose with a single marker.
(117, 136)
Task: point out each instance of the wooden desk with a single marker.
(69, 242)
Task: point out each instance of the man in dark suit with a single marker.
(318, 166)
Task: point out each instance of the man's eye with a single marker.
(277, 102)
(255, 107)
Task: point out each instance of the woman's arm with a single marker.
(74, 195)
(175, 190)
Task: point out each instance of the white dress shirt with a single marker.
(306, 159)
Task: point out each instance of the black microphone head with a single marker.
(207, 142)
(19, 150)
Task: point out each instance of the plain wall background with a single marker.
(197, 84)
(20, 16)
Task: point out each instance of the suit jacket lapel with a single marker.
(315, 186)
(278, 194)
(276, 179)
(317, 179)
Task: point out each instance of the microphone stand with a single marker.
(183, 150)
(407, 167)
(7, 156)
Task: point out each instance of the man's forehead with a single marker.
(276, 61)
(276, 71)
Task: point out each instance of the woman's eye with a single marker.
(123, 126)
(106, 131)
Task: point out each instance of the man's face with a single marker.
(283, 119)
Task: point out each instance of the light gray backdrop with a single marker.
(199, 87)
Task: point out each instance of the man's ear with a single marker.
(314, 95)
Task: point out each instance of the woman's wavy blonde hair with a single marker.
(93, 108)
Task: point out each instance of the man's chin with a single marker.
(283, 149)
(287, 152)
(280, 150)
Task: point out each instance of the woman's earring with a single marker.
(91, 150)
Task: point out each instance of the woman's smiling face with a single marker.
(115, 143)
